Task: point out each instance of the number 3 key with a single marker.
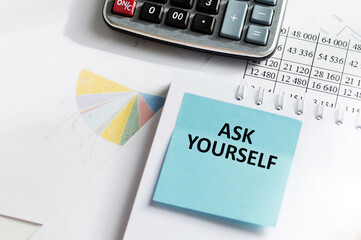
(208, 6)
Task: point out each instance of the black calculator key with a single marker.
(208, 6)
(203, 23)
(159, 1)
(151, 12)
(182, 3)
(267, 2)
(177, 18)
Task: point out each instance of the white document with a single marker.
(100, 209)
(61, 39)
(47, 150)
(322, 196)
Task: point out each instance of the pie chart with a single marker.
(113, 111)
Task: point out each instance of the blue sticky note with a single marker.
(228, 160)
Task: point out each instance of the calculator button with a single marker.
(182, 3)
(124, 7)
(262, 15)
(257, 35)
(159, 1)
(203, 24)
(177, 18)
(208, 6)
(234, 20)
(151, 13)
(267, 2)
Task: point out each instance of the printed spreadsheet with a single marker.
(311, 65)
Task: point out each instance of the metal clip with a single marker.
(319, 111)
(358, 123)
(340, 115)
(259, 99)
(300, 105)
(280, 100)
(240, 92)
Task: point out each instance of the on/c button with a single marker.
(124, 7)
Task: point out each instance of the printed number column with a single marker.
(264, 73)
(350, 87)
(296, 64)
(327, 71)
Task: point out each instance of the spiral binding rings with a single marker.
(280, 100)
(259, 99)
(300, 105)
(240, 91)
(340, 114)
(319, 112)
(358, 124)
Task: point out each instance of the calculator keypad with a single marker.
(233, 21)
(177, 18)
(188, 4)
(262, 15)
(208, 6)
(267, 2)
(159, 1)
(124, 7)
(226, 25)
(257, 35)
(151, 12)
(203, 24)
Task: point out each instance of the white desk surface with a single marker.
(16, 229)
(81, 23)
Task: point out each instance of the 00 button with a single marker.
(177, 18)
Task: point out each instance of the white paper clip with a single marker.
(319, 111)
(259, 99)
(240, 92)
(358, 123)
(340, 115)
(300, 105)
(280, 100)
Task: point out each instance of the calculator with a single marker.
(240, 28)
